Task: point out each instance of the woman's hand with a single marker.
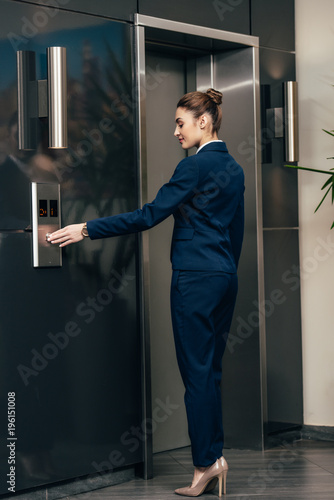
(67, 235)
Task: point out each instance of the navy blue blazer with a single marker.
(206, 197)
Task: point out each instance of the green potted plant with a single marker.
(329, 184)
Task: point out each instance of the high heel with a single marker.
(220, 479)
(217, 471)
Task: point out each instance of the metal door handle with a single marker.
(42, 98)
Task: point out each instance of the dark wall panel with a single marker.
(113, 9)
(227, 15)
(283, 326)
(276, 66)
(280, 195)
(274, 23)
(279, 184)
(281, 246)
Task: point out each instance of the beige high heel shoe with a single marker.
(217, 471)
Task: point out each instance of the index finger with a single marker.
(56, 234)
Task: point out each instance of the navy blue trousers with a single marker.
(202, 304)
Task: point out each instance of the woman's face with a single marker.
(188, 129)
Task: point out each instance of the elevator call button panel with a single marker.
(45, 220)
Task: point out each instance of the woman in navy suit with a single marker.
(206, 197)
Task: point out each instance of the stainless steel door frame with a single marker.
(192, 29)
(142, 22)
(143, 268)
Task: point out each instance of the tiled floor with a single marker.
(303, 470)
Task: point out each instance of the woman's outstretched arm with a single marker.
(180, 188)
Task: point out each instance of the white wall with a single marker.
(315, 74)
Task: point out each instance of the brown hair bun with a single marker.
(204, 102)
(215, 95)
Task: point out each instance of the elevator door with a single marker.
(165, 84)
(69, 343)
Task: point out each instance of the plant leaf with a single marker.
(329, 132)
(330, 187)
(330, 180)
(310, 169)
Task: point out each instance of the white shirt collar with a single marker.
(216, 140)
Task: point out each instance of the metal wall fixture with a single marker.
(281, 122)
(291, 121)
(42, 98)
